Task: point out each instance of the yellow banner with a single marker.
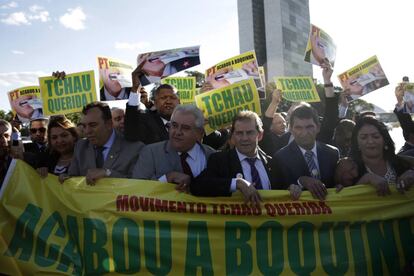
(298, 89)
(221, 105)
(26, 103)
(186, 87)
(320, 46)
(69, 95)
(363, 78)
(124, 226)
(233, 70)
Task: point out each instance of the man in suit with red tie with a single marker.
(244, 168)
(181, 157)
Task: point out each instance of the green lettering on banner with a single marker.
(307, 84)
(238, 251)
(334, 262)
(407, 238)
(126, 227)
(77, 87)
(93, 245)
(150, 247)
(49, 87)
(206, 101)
(71, 253)
(23, 234)
(198, 252)
(67, 82)
(381, 242)
(358, 249)
(306, 249)
(247, 92)
(86, 82)
(270, 262)
(227, 99)
(57, 83)
(216, 99)
(238, 98)
(41, 259)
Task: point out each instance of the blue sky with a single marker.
(38, 37)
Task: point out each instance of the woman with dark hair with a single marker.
(62, 137)
(373, 154)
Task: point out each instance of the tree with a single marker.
(74, 117)
(8, 116)
(358, 106)
(200, 77)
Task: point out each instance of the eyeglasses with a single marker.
(35, 130)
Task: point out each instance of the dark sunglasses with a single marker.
(34, 130)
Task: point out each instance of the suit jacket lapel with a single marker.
(321, 161)
(172, 156)
(234, 164)
(301, 159)
(90, 156)
(161, 125)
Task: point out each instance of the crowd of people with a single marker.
(165, 141)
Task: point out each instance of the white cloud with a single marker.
(38, 13)
(16, 18)
(18, 79)
(73, 19)
(132, 46)
(17, 52)
(25, 18)
(9, 5)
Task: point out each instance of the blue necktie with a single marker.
(313, 169)
(254, 173)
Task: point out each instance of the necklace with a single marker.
(390, 175)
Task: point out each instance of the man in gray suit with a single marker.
(180, 158)
(105, 153)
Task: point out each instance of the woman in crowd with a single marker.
(62, 136)
(374, 159)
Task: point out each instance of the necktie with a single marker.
(99, 156)
(254, 173)
(313, 169)
(184, 164)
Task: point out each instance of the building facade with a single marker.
(278, 31)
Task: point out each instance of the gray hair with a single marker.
(192, 109)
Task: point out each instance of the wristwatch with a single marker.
(108, 172)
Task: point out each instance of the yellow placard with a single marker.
(297, 89)
(186, 87)
(320, 46)
(124, 226)
(69, 95)
(233, 70)
(221, 105)
(363, 78)
(26, 102)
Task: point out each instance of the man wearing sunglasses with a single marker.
(38, 135)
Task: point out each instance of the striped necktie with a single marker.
(313, 169)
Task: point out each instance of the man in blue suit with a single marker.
(305, 163)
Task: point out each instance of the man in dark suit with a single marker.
(180, 158)
(245, 168)
(38, 135)
(104, 152)
(149, 126)
(305, 163)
